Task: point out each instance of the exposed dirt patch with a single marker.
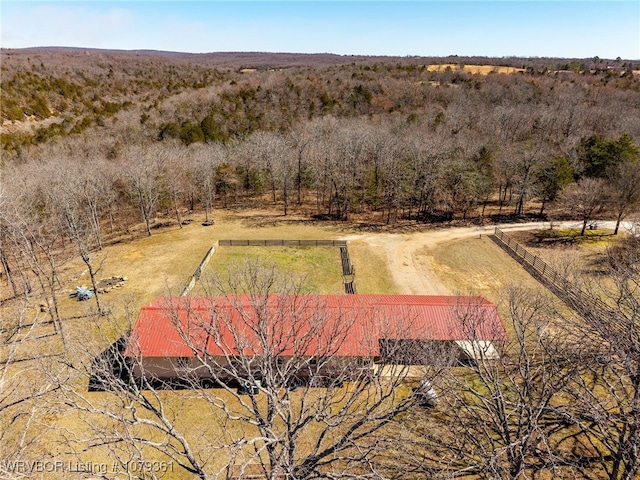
(410, 256)
(28, 125)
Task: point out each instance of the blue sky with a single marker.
(574, 28)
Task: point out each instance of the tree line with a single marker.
(391, 140)
(385, 142)
(335, 168)
(196, 99)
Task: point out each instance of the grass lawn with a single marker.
(599, 238)
(163, 263)
(579, 257)
(318, 267)
(372, 271)
(477, 266)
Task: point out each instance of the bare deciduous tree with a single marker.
(205, 161)
(625, 193)
(23, 402)
(499, 417)
(175, 176)
(33, 239)
(143, 174)
(606, 394)
(77, 214)
(585, 198)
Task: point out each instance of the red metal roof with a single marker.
(344, 325)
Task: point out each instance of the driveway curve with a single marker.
(413, 271)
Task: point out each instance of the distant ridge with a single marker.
(212, 59)
(264, 60)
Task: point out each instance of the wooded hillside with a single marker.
(386, 139)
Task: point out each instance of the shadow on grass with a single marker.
(112, 371)
(562, 238)
(110, 367)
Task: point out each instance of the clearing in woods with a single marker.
(474, 69)
(446, 261)
(430, 262)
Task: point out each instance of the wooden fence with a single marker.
(348, 270)
(282, 243)
(573, 296)
(198, 273)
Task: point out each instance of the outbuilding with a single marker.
(195, 335)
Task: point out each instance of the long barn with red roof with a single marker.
(175, 333)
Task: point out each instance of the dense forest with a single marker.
(98, 142)
(388, 138)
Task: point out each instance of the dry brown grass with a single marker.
(579, 258)
(479, 266)
(164, 262)
(372, 270)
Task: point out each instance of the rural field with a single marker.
(461, 260)
(475, 69)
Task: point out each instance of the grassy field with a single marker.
(578, 257)
(478, 266)
(372, 271)
(163, 263)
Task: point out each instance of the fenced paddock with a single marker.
(316, 265)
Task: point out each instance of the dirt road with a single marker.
(409, 258)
